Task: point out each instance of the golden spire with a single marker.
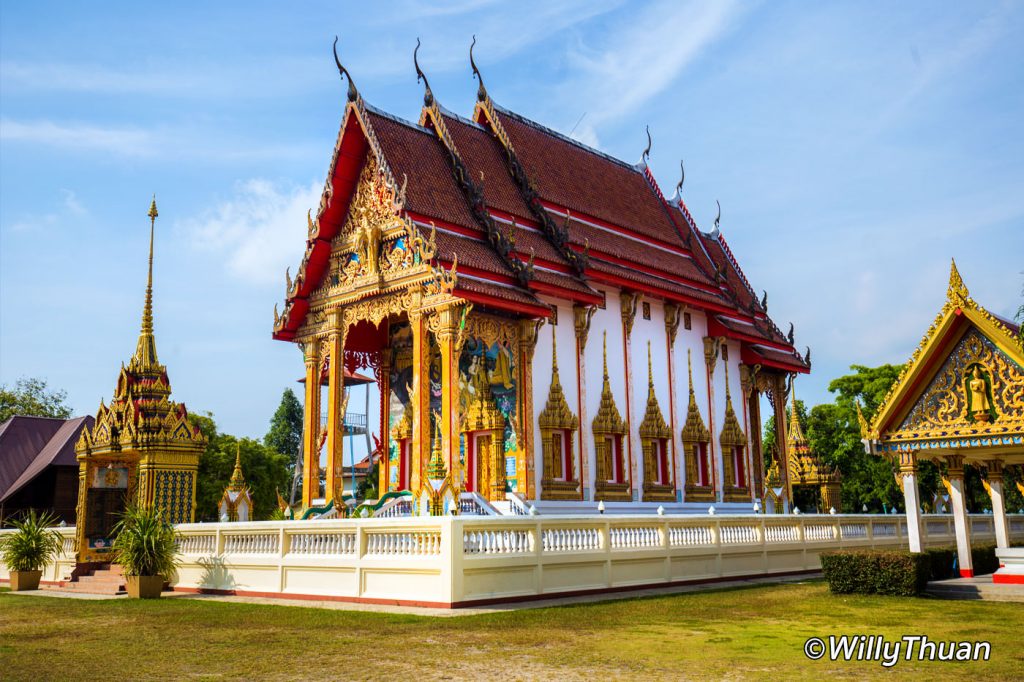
(650, 371)
(694, 430)
(237, 483)
(145, 351)
(605, 354)
(556, 413)
(653, 424)
(436, 469)
(796, 432)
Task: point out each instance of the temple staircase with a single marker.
(106, 579)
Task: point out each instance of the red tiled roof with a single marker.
(483, 154)
(585, 181)
(414, 153)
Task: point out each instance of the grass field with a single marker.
(756, 632)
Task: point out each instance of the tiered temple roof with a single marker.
(531, 212)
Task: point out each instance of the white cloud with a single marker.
(260, 229)
(79, 136)
(70, 208)
(639, 58)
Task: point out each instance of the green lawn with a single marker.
(757, 632)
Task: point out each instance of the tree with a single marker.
(265, 470)
(285, 434)
(32, 398)
(833, 433)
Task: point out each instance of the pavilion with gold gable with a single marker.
(438, 252)
(141, 449)
(959, 402)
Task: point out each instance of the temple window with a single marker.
(557, 426)
(654, 437)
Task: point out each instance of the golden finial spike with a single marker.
(605, 352)
(145, 352)
(957, 289)
(728, 396)
(650, 370)
(237, 482)
(689, 369)
(554, 349)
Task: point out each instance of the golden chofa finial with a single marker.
(957, 291)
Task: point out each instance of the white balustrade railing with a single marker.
(738, 535)
(819, 532)
(570, 539)
(503, 541)
(403, 543)
(394, 508)
(690, 536)
(322, 544)
(851, 531)
(244, 543)
(883, 529)
(67, 546)
(198, 544)
(634, 537)
(454, 559)
(774, 533)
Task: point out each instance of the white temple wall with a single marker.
(691, 340)
(644, 331)
(565, 333)
(608, 319)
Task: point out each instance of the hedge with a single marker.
(892, 572)
(941, 560)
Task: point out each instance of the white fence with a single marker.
(447, 561)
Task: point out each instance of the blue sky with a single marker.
(855, 148)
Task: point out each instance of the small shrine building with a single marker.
(141, 448)
(528, 306)
(958, 402)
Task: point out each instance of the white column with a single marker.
(995, 491)
(912, 499)
(955, 473)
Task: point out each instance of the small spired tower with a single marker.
(806, 468)
(236, 502)
(141, 450)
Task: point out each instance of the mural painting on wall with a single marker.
(498, 363)
(400, 343)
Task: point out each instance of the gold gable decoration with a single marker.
(608, 421)
(946, 418)
(732, 440)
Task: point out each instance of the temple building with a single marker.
(141, 449)
(806, 468)
(543, 322)
(958, 402)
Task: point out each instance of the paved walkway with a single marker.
(978, 587)
(443, 613)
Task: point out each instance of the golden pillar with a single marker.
(336, 405)
(384, 385)
(311, 427)
(446, 324)
(526, 473)
(781, 452)
(419, 396)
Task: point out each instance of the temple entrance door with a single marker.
(482, 463)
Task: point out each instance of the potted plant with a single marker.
(146, 547)
(26, 551)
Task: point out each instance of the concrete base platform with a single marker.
(978, 587)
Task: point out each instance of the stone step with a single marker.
(97, 579)
(94, 588)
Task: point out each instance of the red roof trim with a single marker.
(597, 222)
(750, 357)
(495, 302)
(624, 283)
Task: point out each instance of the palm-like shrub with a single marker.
(144, 543)
(34, 543)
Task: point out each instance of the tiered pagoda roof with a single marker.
(531, 212)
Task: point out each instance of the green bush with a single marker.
(891, 572)
(940, 561)
(983, 557)
(33, 545)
